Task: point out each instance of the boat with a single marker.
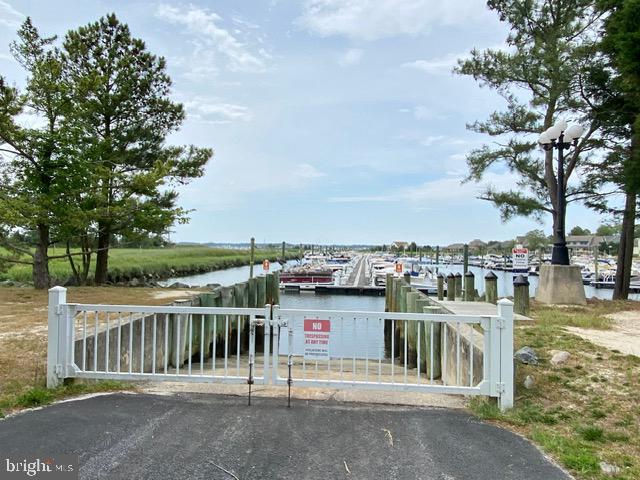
(307, 277)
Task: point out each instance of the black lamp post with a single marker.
(560, 137)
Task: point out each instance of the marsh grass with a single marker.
(582, 412)
(127, 263)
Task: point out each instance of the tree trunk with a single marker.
(41, 259)
(76, 276)
(102, 256)
(625, 249)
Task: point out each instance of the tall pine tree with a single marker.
(538, 77)
(122, 115)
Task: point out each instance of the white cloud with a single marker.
(432, 139)
(438, 65)
(351, 57)
(420, 112)
(210, 35)
(449, 189)
(373, 19)
(304, 170)
(9, 16)
(216, 112)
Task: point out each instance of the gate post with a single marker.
(57, 333)
(268, 328)
(505, 345)
(275, 337)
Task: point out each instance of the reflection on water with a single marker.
(226, 277)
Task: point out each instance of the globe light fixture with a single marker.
(560, 136)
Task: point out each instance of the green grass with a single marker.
(127, 263)
(585, 411)
(39, 395)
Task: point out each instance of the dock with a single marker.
(358, 283)
(458, 307)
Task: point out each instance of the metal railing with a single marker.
(358, 357)
(472, 355)
(135, 342)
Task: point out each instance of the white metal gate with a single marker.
(349, 349)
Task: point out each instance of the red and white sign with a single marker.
(520, 258)
(398, 267)
(265, 265)
(316, 339)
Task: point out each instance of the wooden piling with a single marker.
(387, 292)
(226, 300)
(437, 359)
(521, 295)
(458, 285)
(412, 330)
(451, 287)
(284, 258)
(400, 325)
(437, 255)
(423, 328)
(465, 258)
(269, 282)
(261, 291)
(390, 292)
(240, 300)
(208, 300)
(407, 278)
(253, 257)
(252, 293)
(491, 288)
(440, 286)
(469, 287)
(276, 288)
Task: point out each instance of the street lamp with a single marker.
(561, 137)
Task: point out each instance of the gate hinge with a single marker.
(58, 309)
(500, 387)
(501, 323)
(58, 370)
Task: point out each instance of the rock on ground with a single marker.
(560, 357)
(527, 355)
(609, 469)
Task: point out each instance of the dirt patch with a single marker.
(171, 295)
(23, 326)
(624, 335)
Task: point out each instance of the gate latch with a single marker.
(257, 321)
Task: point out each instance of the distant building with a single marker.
(476, 244)
(586, 243)
(400, 245)
(522, 240)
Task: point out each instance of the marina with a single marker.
(355, 274)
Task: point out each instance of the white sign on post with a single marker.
(520, 259)
(316, 339)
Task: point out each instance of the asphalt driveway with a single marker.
(200, 436)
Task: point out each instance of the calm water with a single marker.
(227, 277)
(368, 342)
(348, 338)
(505, 282)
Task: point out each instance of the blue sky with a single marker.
(333, 121)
